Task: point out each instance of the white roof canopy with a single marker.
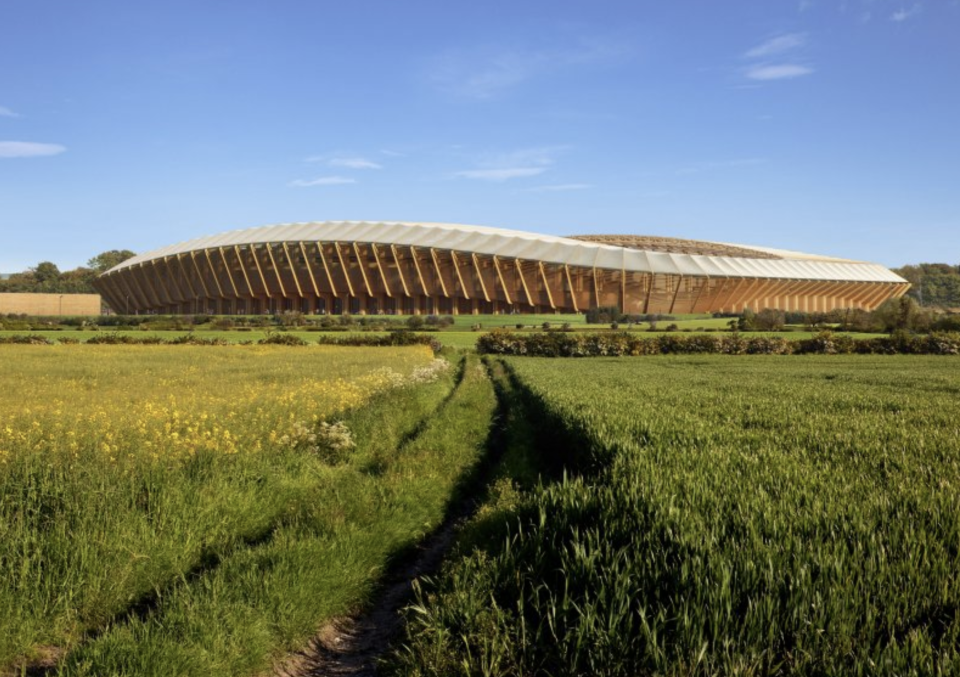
(533, 246)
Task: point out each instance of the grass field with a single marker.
(198, 510)
(182, 510)
(757, 516)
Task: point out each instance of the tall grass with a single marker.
(749, 517)
(123, 470)
(323, 562)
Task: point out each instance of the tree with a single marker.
(769, 319)
(46, 272)
(934, 284)
(107, 260)
(903, 314)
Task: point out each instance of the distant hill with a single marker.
(935, 285)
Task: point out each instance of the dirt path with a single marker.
(351, 646)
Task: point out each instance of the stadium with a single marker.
(362, 267)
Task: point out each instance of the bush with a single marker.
(394, 338)
(194, 340)
(282, 340)
(603, 315)
(27, 339)
(947, 323)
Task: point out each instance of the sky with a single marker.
(825, 126)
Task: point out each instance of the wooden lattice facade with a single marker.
(394, 273)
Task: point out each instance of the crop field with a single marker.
(200, 510)
(714, 515)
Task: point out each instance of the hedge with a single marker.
(557, 344)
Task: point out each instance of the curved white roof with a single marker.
(534, 246)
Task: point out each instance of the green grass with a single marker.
(322, 562)
(756, 516)
(208, 550)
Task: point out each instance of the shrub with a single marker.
(194, 340)
(394, 338)
(27, 339)
(332, 442)
(282, 340)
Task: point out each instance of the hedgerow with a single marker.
(557, 344)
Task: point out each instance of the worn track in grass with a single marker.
(352, 646)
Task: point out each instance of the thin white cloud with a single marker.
(559, 188)
(904, 14)
(523, 162)
(782, 47)
(7, 113)
(354, 163)
(502, 174)
(10, 149)
(322, 181)
(541, 156)
(484, 73)
(777, 45)
(784, 71)
(498, 73)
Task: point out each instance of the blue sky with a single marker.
(822, 126)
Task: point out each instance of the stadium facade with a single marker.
(438, 268)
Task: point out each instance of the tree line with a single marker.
(47, 278)
(935, 285)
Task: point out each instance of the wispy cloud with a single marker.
(785, 71)
(495, 74)
(322, 181)
(781, 47)
(354, 163)
(539, 156)
(484, 73)
(777, 45)
(7, 113)
(10, 149)
(520, 163)
(559, 188)
(904, 14)
(502, 174)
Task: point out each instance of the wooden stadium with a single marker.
(361, 267)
